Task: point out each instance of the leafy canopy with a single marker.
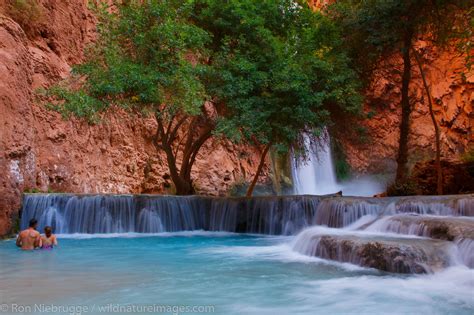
(278, 68)
(148, 57)
(378, 28)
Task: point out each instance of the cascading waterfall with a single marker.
(401, 255)
(358, 230)
(404, 236)
(316, 175)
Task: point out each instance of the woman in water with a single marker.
(48, 240)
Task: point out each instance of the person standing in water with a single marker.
(29, 239)
(48, 240)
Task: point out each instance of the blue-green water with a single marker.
(235, 274)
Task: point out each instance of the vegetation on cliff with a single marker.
(260, 72)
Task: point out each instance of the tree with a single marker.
(377, 29)
(278, 68)
(148, 59)
(439, 170)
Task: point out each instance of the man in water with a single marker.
(29, 239)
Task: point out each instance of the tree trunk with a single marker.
(259, 170)
(402, 159)
(164, 139)
(439, 170)
(184, 187)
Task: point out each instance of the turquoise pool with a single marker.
(235, 274)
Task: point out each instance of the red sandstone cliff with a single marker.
(40, 150)
(452, 89)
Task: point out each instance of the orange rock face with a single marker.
(452, 89)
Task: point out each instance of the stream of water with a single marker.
(264, 255)
(235, 274)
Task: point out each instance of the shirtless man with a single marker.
(29, 239)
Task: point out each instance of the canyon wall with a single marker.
(39, 150)
(452, 89)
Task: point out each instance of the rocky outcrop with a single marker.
(400, 255)
(458, 230)
(443, 228)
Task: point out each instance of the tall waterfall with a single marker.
(316, 175)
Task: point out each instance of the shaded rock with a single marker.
(458, 177)
(399, 255)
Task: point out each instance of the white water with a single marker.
(309, 175)
(316, 175)
(393, 233)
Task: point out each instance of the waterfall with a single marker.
(316, 175)
(357, 230)
(279, 215)
(401, 255)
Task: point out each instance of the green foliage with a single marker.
(141, 61)
(273, 69)
(341, 166)
(465, 35)
(378, 28)
(406, 187)
(278, 68)
(27, 13)
(468, 156)
(38, 191)
(32, 191)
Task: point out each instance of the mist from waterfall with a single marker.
(316, 174)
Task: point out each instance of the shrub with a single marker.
(403, 188)
(468, 156)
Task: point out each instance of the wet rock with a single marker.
(443, 228)
(398, 255)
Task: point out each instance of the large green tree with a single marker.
(263, 72)
(279, 69)
(378, 29)
(148, 59)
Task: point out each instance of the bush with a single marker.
(403, 188)
(27, 13)
(468, 156)
(32, 191)
(342, 167)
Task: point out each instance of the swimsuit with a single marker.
(47, 246)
